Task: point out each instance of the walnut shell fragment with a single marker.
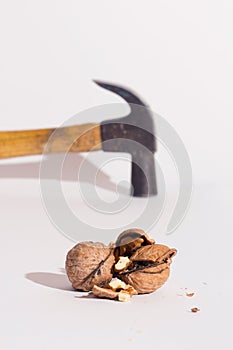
(115, 290)
(89, 264)
(150, 268)
(104, 292)
(131, 240)
(195, 309)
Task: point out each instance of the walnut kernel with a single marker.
(122, 263)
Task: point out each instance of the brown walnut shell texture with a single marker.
(89, 264)
(150, 268)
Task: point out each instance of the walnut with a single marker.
(89, 264)
(149, 269)
(133, 265)
(130, 240)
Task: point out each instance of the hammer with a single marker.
(133, 134)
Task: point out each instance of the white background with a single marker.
(178, 55)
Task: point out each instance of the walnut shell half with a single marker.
(131, 240)
(150, 268)
(89, 264)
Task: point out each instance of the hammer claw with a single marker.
(128, 95)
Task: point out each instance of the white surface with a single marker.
(39, 311)
(178, 55)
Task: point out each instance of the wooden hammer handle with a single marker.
(78, 138)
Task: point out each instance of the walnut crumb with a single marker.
(123, 296)
(190, 294)
(195, 309)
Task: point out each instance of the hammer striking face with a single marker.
(133, 134)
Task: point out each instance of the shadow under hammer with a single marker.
(70, 172)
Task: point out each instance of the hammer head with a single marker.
(133, 134)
